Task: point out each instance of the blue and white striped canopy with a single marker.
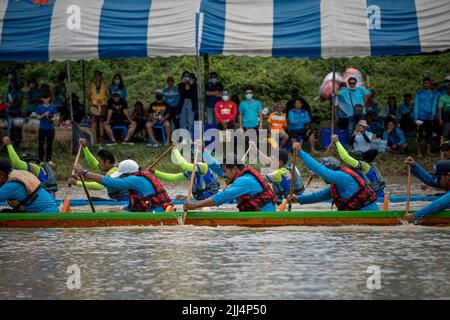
(45, 30)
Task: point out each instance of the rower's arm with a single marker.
(424, 176)
(434, 207)
(91, 185)
(90, 158)
(186, 166)
(212, 163)
(322, 195)
(19, 164)
(343, 154)
(276, 176)
(174, 177)
(322, 171)
(204, 203)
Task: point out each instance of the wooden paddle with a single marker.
(87, 193)
(191, 183)
(408, 190)
(66, 205)
(291, 191)
(162, 156)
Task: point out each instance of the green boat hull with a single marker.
(244, 219)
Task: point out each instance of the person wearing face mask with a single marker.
(213, 94)
(250, 113)
(352, 100)
(225, 111)
(172, 97)
(158, 114)
(188, 103)
(33, 96)
(117, 85)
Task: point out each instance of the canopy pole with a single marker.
(70, 91)
(201, 109)
(83, 73)
(206, 69)
(333, 97)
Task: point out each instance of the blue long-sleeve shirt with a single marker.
(17, 192)
(298, 119)
(425, 177)
(346, 185)
(140, 185)
(425, 105)
(213, 164)
(245, 184)
(348, 98)
(396, 137)
(436, 206)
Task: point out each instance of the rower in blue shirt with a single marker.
(23, 191)
(146, 193)
(246, 185)
(347, 190)
(439, 179)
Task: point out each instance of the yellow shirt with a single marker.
(98, 97)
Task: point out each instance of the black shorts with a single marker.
(304, 133)
(119, 124)
(425, 130)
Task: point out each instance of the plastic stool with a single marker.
(163, 132)
(123, 128)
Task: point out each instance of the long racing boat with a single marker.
(213, 219)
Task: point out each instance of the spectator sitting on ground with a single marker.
(406, 109)
(395, 138)
(362, 138)
(225, 111)
(140, 116)
(277, 121)
(375, 126)
(213, 95)
(117, 85)
(158, 114)
(118, 116)
(172, 97)
(371, 104)
(33, 97)
(299, 124)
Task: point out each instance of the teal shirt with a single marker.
(17, 192)
(250, 113)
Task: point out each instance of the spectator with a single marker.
(159, 114)
(250, 115)
(299, 124)
(225, 111)
(406, 113)
(352, 101)
(445, 85)
(140, 116)
(46, 114)
(188, 104)
(235, 98)
(117, 85)
(172, 97)
(12, 76)
(98, 99)
(341, 113)
(79, 112)
(118, 116)
(14, 99)
(395, 138)
(46, 90)
(425, 105)
(362, 138)
(390, 112)
(444, 115)
(375, 126)
(33, 96)
(291, 103)
(59, 96)
(278, 123)
(371, 104)
(213, 95)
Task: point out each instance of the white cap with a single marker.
(126, 167)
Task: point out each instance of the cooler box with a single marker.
(326, 137)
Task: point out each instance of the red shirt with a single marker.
(225, 110)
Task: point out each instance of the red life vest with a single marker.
(448, 186)
(151, 201)
(258, 200)
(361, 198)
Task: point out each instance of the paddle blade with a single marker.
(283, 205)
(66, 205)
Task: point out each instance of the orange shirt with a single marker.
(277, 121)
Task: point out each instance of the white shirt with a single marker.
(360, 143)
